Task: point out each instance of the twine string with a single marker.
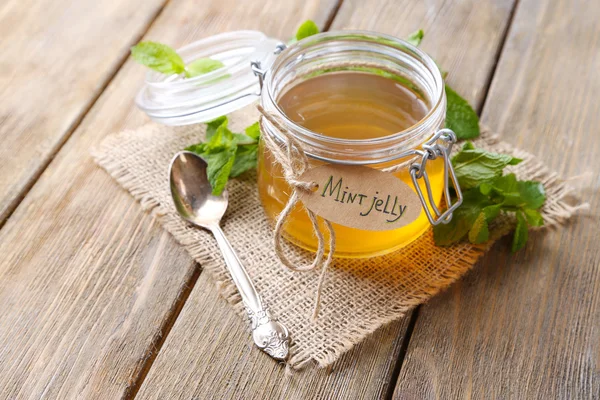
(294, 163)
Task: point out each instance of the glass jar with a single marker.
(417, 156)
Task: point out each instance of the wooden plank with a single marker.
(526, 326)
(209, 354)
(208, 351)
(89, 283)
(56, 60)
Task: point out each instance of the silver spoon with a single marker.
(193, 198)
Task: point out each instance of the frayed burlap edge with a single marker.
(555, 211)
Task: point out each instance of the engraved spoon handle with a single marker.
(269, 335)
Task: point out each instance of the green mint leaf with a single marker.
(221, 140)
(462, 220)
(475, 166)
(199, 148)
(212, 126)
(253, 131)
(416, 37)
(508, 187)
(533, 217)
(532, 193)
(479, 232)
(158, 56)
(251, 135)
(219, 168)
(202, 66)
(227, 154)
(308, 28)
(242, 139)
(455, 230)
(506, 184)
(245, 159)
(460, 116)
(485, 188)
(519, 194)
(521, 234)
(468, 145)
(491, 212)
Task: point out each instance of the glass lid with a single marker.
(176, 100)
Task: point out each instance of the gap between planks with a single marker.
(160, 338)
(488, 84)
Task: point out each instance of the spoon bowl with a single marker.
(192, 192)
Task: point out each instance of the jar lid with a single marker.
(176, 100)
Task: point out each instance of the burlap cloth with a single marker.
(358, 297)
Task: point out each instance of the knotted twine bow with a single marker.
(294, 163)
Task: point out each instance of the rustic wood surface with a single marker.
(89, 283)
(526, 326)
(199, 349)
(98, 302)
(57, 57)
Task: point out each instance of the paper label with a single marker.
(360, 197)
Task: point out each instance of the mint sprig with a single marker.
(486, 191)
(486, 194)
(227, 154)
(164, 59)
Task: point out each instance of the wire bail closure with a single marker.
(257, 67)
(432, 149)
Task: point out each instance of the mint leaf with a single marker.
(221, 140)
(491, 212)
(212, 126)
(245, 159)
(308, 28)
(532, 193)
(485, 188)
(479, 232)
(158, 56)
(202, 66)
(227, 154)
(468, 145)
(199, 148)
(533, 217)
(521, 234)
(242, 139)
(460, 116)
(462, 220)
(253, 131)
(475, 166)
(415, 37)
(219, 167)
(518, 194)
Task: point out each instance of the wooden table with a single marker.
(97, 301)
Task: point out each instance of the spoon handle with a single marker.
(268, 334)
(240, 277)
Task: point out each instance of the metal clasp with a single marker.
(432, 150)
(257, 68)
